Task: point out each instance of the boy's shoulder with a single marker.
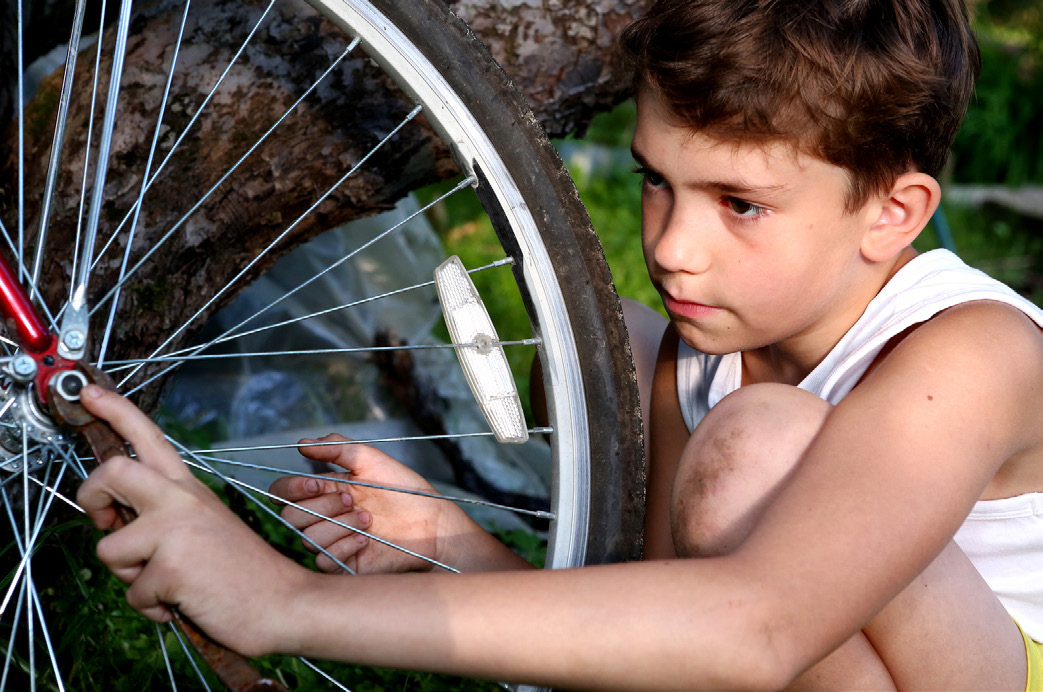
(923, 290)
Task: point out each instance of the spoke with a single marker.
(189, 655)
(124, 364)
(78, 251)
(45, 631)
(206, 468)
(27, 554)
(54, 492)
(20, 270)
(144, 179)
(125, 276)
(466, 182)
(345, 306)
(35, 609)
(124, 273)
(390, 135)
(166, 657)
(104, 146)
(362, 484)
(72, 461)
(323, 673)
(195, 117)
(13, 477)
(198, 463)
(14, 629)
(371, 441)
(22, 566)
(20, 251)
(56, 144)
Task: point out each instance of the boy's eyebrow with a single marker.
(731, 187)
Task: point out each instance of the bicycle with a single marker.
(455, 88)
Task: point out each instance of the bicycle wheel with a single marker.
(149, 270)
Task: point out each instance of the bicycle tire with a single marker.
(521, 182)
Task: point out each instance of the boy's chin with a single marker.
(710, 344)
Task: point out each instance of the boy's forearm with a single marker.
(477, 550)
(624, 626)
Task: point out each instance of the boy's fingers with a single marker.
(145, 595)
(126, 552)
(331, 505)
(326, 533)
(135, 427)
(121, 480)
(297, 488)
(344, 455)
(345, 551)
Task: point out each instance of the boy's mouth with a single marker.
(686, 308)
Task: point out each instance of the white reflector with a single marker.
(484, 363)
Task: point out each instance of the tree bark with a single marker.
(559, 53)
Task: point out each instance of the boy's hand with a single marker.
(185, 549)
(424, 525)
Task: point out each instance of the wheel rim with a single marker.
(479, 158)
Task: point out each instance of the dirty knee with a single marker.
(736, 461)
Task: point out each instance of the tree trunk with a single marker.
(558, 52)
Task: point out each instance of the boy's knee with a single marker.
(735, 462)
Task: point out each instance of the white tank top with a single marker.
(1003, 538)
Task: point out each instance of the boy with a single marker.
(788, 152)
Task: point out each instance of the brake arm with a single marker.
(232, 668)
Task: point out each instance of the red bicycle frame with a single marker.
(20, 317)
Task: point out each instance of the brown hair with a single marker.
(877, 87)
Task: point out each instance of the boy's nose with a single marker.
(681, 244)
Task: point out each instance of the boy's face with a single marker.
(748, 245)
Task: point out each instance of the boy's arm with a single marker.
(881, 491)
(896, 468)
(664, 442)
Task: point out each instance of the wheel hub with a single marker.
(24, 423)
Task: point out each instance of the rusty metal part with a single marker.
(233, 669)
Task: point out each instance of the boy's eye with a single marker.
(650, 178)
(740, 207)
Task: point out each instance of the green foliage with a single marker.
(528, 544)
(1001, 140)
(612, 195)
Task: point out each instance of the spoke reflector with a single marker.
(485, 365)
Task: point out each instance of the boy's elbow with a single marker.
(776, 664)
(774, 655)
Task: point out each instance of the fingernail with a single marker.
(346, 499)
(360, 539)
(365, 517)
(90, 391)
(311, 485)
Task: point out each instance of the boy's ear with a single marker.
(904, 212)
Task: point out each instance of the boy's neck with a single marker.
(792, 360)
